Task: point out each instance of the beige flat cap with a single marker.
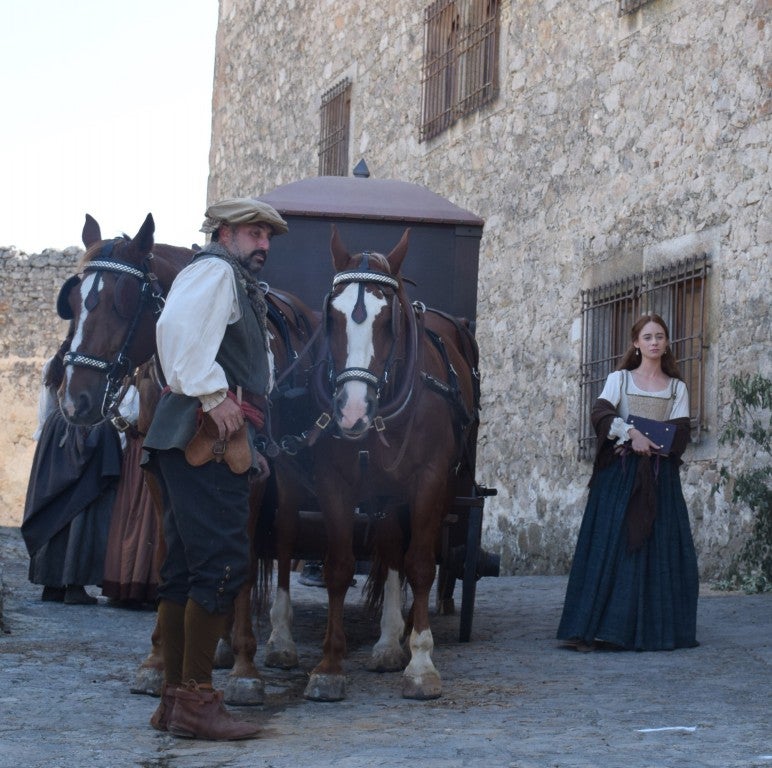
(242, 210)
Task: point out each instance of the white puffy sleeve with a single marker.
(612, 392)
(201, 304)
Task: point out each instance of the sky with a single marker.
(107, 111)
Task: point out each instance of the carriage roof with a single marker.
(371, 214)
(377, 199)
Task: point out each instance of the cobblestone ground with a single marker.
(512, 696)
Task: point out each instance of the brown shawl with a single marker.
(642, 505)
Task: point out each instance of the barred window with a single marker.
(460, 72)
(333, 140)
(630, 6)
(678, 294)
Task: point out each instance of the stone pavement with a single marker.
(513, 698)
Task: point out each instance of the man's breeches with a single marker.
(205, 529)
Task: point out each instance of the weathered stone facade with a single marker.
(30, 329)
(616, 143)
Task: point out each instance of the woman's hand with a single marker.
(641, 444)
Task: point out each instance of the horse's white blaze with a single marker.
(359, 350)
(392, 623)
(421, 647)
(85, 286)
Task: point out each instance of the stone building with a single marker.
(618, 151)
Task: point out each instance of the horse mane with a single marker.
(382, 261)
(177, 254)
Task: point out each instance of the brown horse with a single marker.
(399, 387)
(114, 304)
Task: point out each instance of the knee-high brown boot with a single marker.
(163, 713)
(199, 712)
(203, 631)
(171, 621)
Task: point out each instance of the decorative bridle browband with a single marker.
(151, 294)
(361, 276)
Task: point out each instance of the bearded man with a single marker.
(214, 353)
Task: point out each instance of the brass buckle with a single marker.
(121, 423)
(323, 421)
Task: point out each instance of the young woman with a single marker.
(633, 582)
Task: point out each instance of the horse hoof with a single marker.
(244, 691)
(422, 688)
(326, 688)
(149, 681)
(281, 658)
(392, 660)
(223, 656)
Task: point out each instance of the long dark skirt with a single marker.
(644, 600)
(76, 553)
(69, 499)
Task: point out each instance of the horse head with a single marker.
(365, 333)
(113, 304)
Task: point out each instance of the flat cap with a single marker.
(243, 210)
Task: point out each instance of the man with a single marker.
(213, 349)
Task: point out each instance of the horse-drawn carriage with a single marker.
(441, 272)
(393, 431)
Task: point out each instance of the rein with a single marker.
(396, 405)
(116, 371)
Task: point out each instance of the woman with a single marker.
(633, 583)
(70, 494)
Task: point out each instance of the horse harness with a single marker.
(413, 313)
(151, 295)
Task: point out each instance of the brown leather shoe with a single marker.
(199, 713)
(162, 715)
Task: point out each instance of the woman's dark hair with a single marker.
(631, 359)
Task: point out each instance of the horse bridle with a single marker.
(364, 275)
(150, 295)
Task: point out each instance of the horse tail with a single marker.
(374, 586)
(390, 539)
(261, 594)
(264, 507)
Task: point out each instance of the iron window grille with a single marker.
(460, 71)
(335, 114)
(630, 6)
(678, 294)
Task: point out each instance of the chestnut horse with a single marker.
(399, 387)
(114, 305)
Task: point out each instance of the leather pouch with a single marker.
(659, 432)
(206, 446)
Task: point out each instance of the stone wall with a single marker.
(30, 329)
(616, 144)
(30, 332)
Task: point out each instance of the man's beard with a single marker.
(250, 264)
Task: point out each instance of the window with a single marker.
(460, 72)
(630, 6)
(333, 141)
(678, 294)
